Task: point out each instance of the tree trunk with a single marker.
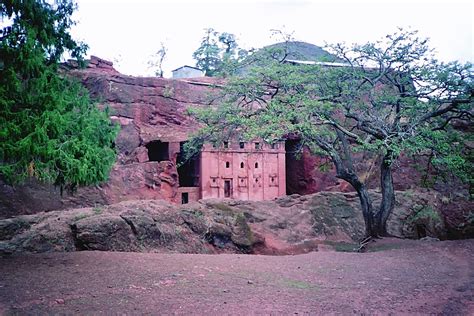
(367, 210)
(345, 171)
(388, 196)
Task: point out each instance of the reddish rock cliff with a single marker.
(147, 110)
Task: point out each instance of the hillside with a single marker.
(303, 51)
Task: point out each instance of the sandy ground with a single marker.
(415, 278)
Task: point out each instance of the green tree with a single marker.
(231, 55)
(219, 54)
(207, 55)
(390, 97)
(49, 129)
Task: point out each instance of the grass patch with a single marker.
(342, 246)
(423, 212)
(97, 210)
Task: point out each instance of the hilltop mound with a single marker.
(303, 51)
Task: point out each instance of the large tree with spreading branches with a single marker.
(388, 97)
(49, 128)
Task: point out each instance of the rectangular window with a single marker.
(257, 145)
(242, 145)
(226, 144)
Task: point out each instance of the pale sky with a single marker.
(131, 31)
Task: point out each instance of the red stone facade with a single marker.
(243, 170)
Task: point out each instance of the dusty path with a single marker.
(420, 278)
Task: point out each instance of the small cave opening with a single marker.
(158, 151)
(420, 231)
(188, 169)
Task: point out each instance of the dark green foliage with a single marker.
(219, 54)
(49, 129)
(207, 55)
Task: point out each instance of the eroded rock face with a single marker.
(147, 109)
(138, 181)
(288, 225)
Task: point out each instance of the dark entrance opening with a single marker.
(188, 169)
(294, 168)
(184, 198)
(227, 188)
(420, 231)
(158, 151)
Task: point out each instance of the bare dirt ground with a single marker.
(398, 277)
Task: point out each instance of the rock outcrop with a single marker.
(287, 225)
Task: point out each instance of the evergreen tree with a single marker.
(49, 129)
(207, 55)
(219, 54)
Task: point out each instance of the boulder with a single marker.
(13, 226)
(337, 215)
(104, 232)
(44, 233)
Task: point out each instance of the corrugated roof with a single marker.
(186, 66)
